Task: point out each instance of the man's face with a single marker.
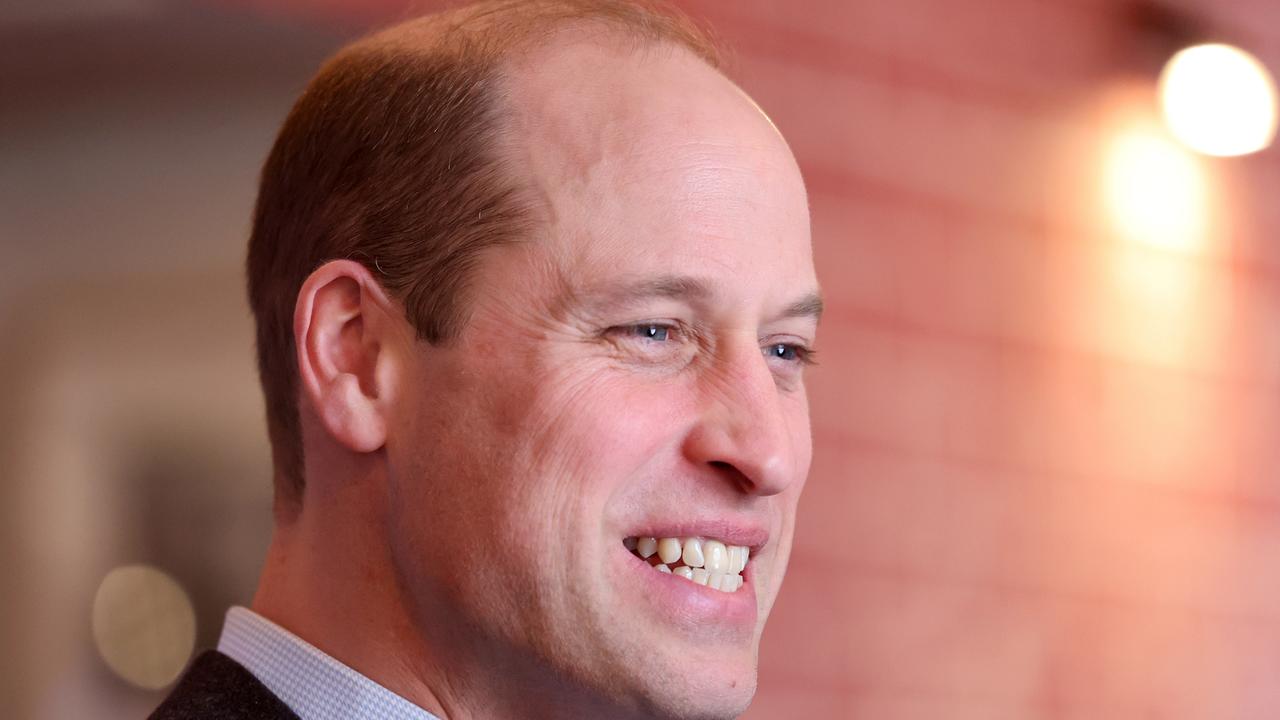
(635, 370)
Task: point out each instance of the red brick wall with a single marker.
(1046, 481)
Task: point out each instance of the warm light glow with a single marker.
(1219, 100)
(1155, 190)
(144, 625)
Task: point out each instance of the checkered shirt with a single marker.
(313, 685)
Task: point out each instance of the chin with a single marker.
(721, 704)
(696, 691)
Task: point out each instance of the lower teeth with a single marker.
(724, 582)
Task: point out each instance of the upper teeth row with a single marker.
(714, 555)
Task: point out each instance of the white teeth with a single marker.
(646, 547)
(692, 552)
(715, 557)
(669, 550)
(724, 582)
(710, 563)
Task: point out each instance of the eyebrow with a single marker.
(809, 306)
(681, 287)
(671, 287)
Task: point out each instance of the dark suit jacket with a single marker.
(216, 687)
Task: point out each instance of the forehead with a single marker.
(651, 160)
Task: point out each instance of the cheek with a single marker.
(450, 458)
(802, 439)
(797, 411)
(596, 431)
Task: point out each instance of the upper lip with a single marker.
(751, 534)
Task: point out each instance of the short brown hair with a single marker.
(388, 159)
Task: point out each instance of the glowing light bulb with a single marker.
(1219, 100)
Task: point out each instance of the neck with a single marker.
(327, 578)
(330, 579)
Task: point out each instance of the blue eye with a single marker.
(789, 353)
(658, 333)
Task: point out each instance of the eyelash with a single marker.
(800, 355)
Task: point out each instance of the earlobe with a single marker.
(344, 410)
(340, 343)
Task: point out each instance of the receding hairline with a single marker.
(508, 37)
(512, 36)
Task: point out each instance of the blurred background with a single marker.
(1047, 422)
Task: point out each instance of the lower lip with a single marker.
(686, 602)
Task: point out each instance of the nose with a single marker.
(745, 430)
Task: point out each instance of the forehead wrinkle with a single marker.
(700, 165)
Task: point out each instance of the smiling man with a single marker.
(534, 296)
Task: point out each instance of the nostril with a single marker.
(734, 475)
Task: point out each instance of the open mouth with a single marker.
(705, 561)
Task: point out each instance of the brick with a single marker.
(980, 156)
(798, 699)
(995, 49)
(804, 640)
(854, 507)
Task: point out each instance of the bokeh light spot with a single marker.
(1155, 190)
(144, 625)
(1219, 100)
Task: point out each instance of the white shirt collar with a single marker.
(314, 685)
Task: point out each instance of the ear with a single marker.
(342, 324)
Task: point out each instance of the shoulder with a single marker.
(216, 687)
